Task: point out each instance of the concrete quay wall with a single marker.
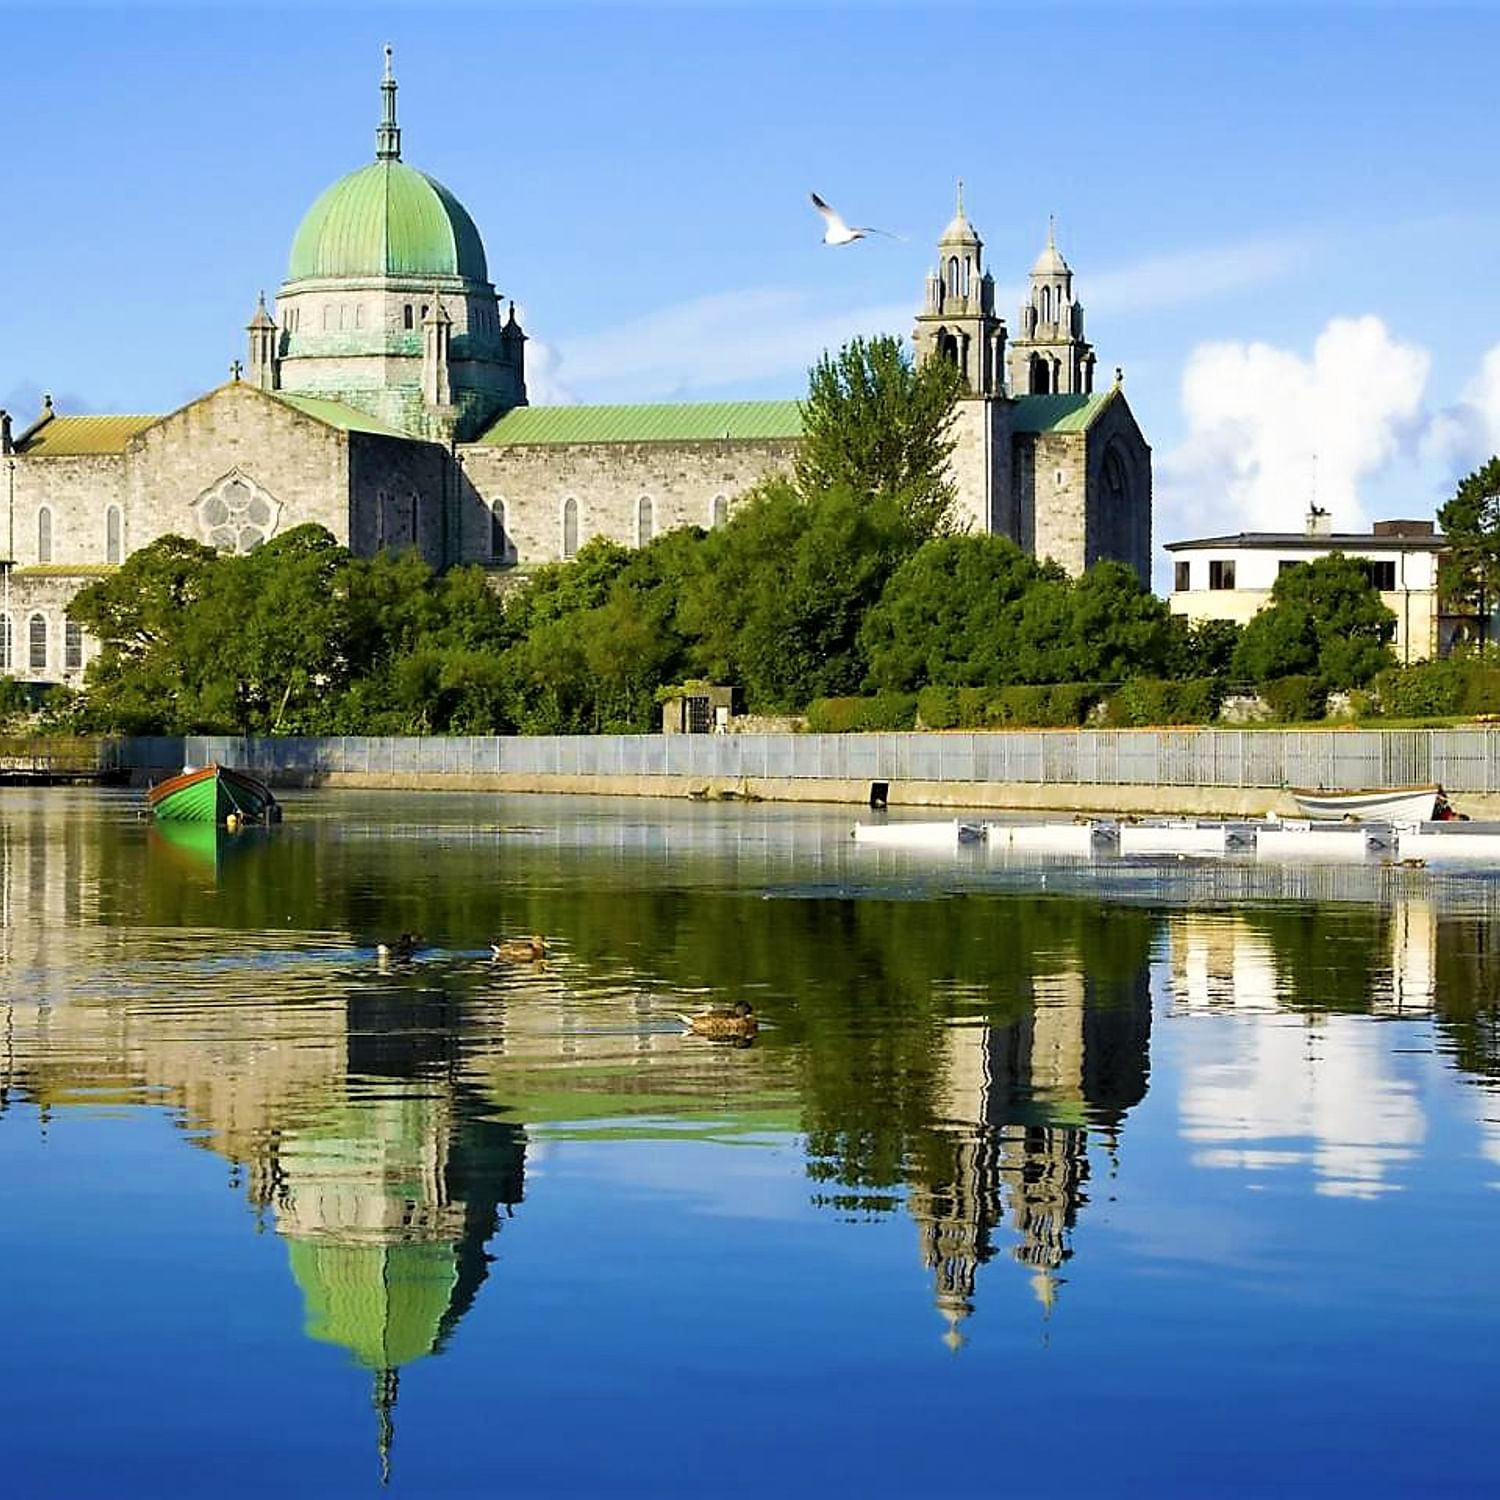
(1212, 772)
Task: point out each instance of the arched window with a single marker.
(953, 276)
(968, 267)
(72, 647)
(359, 315)
(407, 319)
(38, 633)
(44, 535)
(1040, 384)
(499, 542)
(5, 661)
(570, 527)
(643, 520)
(112, 544)
(327, 317)
(1046, 304)
(720, 510)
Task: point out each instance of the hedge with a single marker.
(860, 715)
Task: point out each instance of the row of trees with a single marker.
(846, 577)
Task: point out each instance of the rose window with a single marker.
(236, 515)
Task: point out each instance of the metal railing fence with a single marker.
(1463, 760)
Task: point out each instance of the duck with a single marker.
(724, 1023)
(401, 947)
(527, 950)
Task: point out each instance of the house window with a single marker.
(570, 527)
(112, 548)
(1286, 565)
(643, 520)
(1182, 573)
(5, 663)
(1221, 573)
(499, 543)
(720, 510)
(44, 535)
(72, 647)
(38, 632)
(1382, 573)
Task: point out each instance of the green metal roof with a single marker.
(699, 422)
(387, 219)
(336, 414)
(1058, 413)
(72, 437)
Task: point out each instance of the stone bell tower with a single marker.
(1050, 356)
(958, 319)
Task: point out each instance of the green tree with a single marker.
(876, 424)
(1469, 575)
(1325, 619)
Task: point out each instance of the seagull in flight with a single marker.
(836, 232)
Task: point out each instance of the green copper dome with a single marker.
(387, 219)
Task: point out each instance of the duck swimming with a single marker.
(724, 1023)
(401, 947)
(527, 950)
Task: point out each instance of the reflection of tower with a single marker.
(1414, 931)
(388, 1197)
(1013, 1103)
(1219, 961)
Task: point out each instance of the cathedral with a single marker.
(383, 396)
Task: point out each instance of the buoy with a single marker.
(232, 823)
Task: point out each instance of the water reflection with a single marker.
(958, 1043)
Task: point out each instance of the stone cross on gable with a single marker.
(236, 369)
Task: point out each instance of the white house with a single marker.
(1230, 577)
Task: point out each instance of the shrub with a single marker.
(1150, 700)
(937, 708)
(1295, 700)
(885, 711)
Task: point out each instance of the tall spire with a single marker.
(388, 135)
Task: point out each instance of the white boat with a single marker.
(1304, 838)
(1434, 842)
(919, 835)
(1185, 837)
(1083, 840)
(1392, 804)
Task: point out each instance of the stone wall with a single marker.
(609, 481)
(1050, 480)
(78, 492)
(301, 464)
(980, 467)
(400, 493)
(1119, 491)
(44, 592)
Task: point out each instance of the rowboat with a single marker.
(1392, 804)
(214, 794)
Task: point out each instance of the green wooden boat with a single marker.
(214, 794)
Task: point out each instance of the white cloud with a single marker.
(1463, 436)
(1268, 429)
(721, 339)
(1167, 281)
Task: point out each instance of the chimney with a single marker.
(1319, 522)
(5, 442)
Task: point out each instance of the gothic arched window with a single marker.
(499, 542)
(953, 276)
(72, 647)
(968, 267)
(720, 511)
(408, 319)
(1040, 381)
(1046, 304)
(44, 535)
(38, 644)
(570, 527)
(5, 662)
(644, 517)
(112, 544)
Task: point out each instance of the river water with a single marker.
(1078, 1179)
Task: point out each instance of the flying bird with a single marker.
(836, 232)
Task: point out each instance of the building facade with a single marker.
(383, 396)
(1231, 577)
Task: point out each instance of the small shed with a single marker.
(698, 708)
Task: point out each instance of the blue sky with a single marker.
(1281, 218)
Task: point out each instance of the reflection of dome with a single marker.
(387, 219)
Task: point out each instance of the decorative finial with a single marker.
(1119, 377)
(388, 135)
(960, 197)
(1052, 231)
(47, 405)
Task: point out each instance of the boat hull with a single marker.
(211, 795)
(1395, 804)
